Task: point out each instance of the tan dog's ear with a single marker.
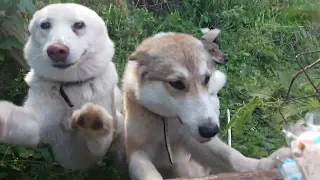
(210, 35)
(139, 59)
(133, 56)
(209, 40)
(139, 56)
(134, 60)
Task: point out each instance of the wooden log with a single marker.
(268, 175)
(8, 29)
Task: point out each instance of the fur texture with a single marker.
(172, 77)
(81, 61)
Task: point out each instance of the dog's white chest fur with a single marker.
(55, 114)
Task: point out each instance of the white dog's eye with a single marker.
(45, 25)
(78, 25)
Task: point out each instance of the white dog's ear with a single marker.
(32, 22)
(30, 25)
(217, 81)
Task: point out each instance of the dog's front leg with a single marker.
(141, 168)
(217, 155)
(18, 125)
(96, 126)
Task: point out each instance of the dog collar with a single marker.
(71, 83)
(166, 138)
(68, 101)
(65, 96)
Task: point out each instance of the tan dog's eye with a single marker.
(79, 25)
(206, 80)
(177, 85)
(216, 41)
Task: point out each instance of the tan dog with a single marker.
(170, 84)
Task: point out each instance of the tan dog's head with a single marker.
(169, 74)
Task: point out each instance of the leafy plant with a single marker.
(14, 12)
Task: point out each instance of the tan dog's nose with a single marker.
(208, 130)
(58, 52)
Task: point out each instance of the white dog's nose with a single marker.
(58, 52)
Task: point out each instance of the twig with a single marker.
(303, 70)
(154, 5)
(30, 161)
(306, 68)
(5, 155)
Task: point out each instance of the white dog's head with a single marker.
(68, 42)
(171, 74)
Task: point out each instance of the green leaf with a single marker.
(1, 57)
(275, 121)
(263, 93)
(5, 149)
(2, 14)
(290, 110)
(10, 42)
(37, 154)
(27, 4)
(244, 113)
(46, 154)
(15, 167)
(21, 7)
(269, 146)
(18, 21)
(3, 175)
(312, 104)
(205, 19)
(3, 5)
(23, 152)
(284, 77)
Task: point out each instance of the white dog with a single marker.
(73, 94)
(171, 107)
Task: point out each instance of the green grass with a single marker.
(261, 37)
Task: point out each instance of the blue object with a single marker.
(290, 171)
(317, 140)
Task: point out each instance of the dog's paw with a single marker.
(92, 117)
(282, 153)
(190, 169)
(279, 155)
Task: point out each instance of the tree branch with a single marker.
(306, 68)
(269, 175)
